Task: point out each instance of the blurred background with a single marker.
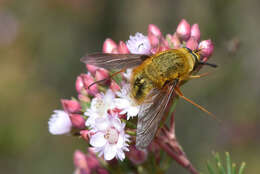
(42, 41)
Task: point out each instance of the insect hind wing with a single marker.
(114, 61)
(150, 115)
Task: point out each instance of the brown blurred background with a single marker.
(42, 41)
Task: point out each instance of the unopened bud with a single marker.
(101, 171)
(154, 30)
(83, 98)
(154, 50)
(87, 81)
(91, 68)
(109, 46)
(85, 135)
(70, 106)
(195, 32)
(153, 40)
(122, 48)
(114, 86)
(93, 162)
(101, 74)
(192, 43)
(206, 48)
(183, 30)
(136, 156)
(80, 160)
(176, 41)
(79, 85)
(163, 48)
(154, 34)
(77, 121)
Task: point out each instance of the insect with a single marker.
(153, 82)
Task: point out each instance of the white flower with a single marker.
(109, 138)
(59, 123)
(99, 107)
(127, 74)
(126, 103)
(139, 44)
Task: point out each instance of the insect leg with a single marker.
(179, 93)
(198, 76)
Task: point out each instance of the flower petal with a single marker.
(116, 123)
(110, 151)
(122, 103)
(59, 123)
(120, 141)
(101, 123)
(98, 139)
(120, 154)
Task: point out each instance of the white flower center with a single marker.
(101, 107)
(111, 135)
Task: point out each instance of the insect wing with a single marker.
(150, 115)
(114, 61)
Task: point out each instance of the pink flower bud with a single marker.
(154, 40)
(204, 59)
(136, 156)
(85, 135)
(92, 69)
(154, 50)
(70, 106)
(154, 30)
(163, 48)
(206, 48)
(154, 34)
(155, 149)
(122, 48)
(114, 86)
(87, 81)
(183, 30)
(92, 160)
(101, 74)
(192, 43)
(195, 32)
(109, 46)
(101, 171)
(83, 98)
(77, 121)
(164, 43)
(79, 84)
(80, 160)
(176, 41)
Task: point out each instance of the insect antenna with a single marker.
(99, 81)
(209, 64)
(108, 78)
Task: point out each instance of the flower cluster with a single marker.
(104, 114)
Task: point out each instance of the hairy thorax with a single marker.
(158, 70)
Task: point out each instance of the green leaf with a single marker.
(229, 171)
(242, 167)
(234, 168)
(210, 169)
(220, 168)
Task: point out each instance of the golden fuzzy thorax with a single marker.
(159, 69)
